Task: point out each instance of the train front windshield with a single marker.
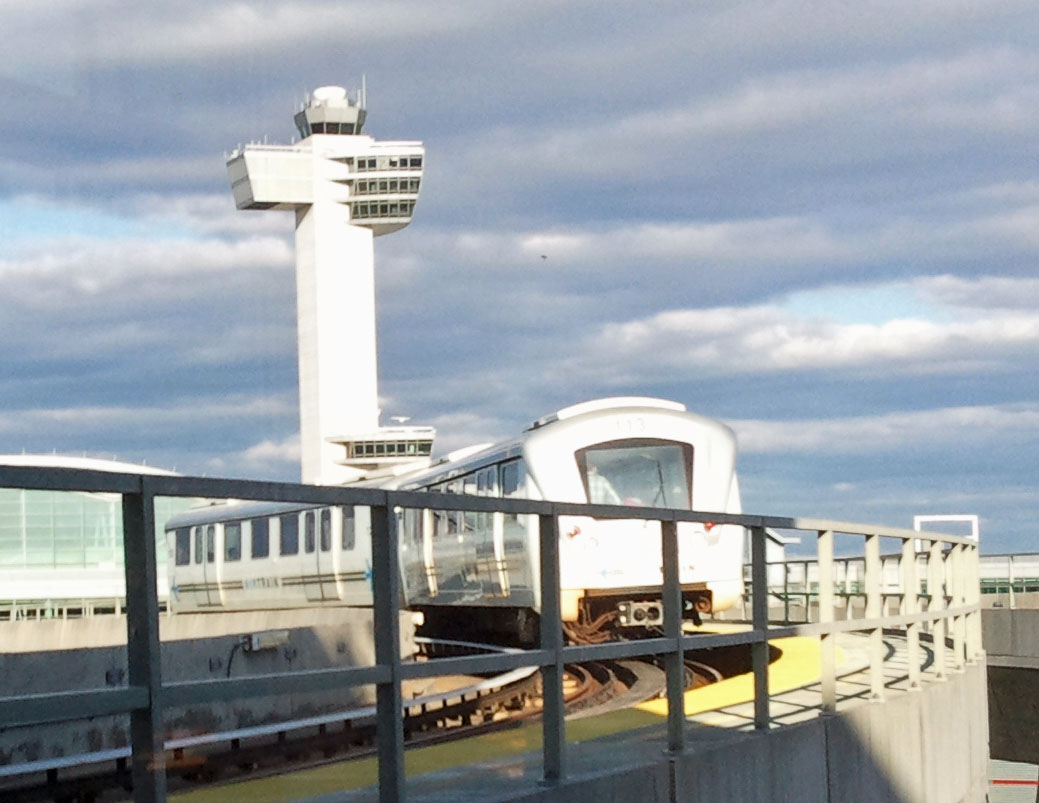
(638, 472)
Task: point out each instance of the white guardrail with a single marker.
(949, 608)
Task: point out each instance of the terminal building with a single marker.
(61, 554)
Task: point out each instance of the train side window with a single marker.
(289, 534)
(210, 543)
(198, 545)
(454, 517)
(183, 547)
(309, 542)
(261, 542)
(326, 529)
(512, 477)
(233, 541)
(349, 533)
(470, 520)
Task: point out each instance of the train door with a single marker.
(289, 565)
(428, 553)
(229, 560)
(205, 539)
(479, 548)
(489, 526)
(179, 544)
(519, 553)
(414, 580)
(448, 548)
(326, 558)
(310, 563)
(337, 558)
(353, 569)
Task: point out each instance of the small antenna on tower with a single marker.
(364, 92)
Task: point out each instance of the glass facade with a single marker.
(55, 531)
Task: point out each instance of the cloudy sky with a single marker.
(818, 222)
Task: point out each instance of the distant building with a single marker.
(61, 552)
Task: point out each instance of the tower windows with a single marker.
(362, 210)
(404, 185)
(332, 128)
(386, 162)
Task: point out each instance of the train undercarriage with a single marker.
(598, 615)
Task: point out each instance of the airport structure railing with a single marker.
(949, 607)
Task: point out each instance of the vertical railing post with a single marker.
(759, 649)
(847, 590)
(910, 606)
(786, 591)
(674, 661)
(827, 639)
(958, 591)
(974, 583)
(552, 716)
(872, 581)
(143, 650)
(936, 603)
(389, 723)
(807, 592)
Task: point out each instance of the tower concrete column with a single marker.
(345, 188)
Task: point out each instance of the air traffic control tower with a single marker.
(345, 189)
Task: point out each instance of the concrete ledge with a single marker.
(927, 746)
(51, 656)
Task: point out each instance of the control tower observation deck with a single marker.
(345, 189)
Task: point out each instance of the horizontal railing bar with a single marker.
(471, 504)
(47, 478)
(63, 762)
(474, 664)
(708, 641)
(39, 478)
(264, 491)
(35, 709)
(852, 625)
(617, 649)
(209, 691)
(857, 528)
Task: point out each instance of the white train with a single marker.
(477, 573)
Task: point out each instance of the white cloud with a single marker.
(984, 292)
(968, 427)
(743, 340)
(65, 272)
(285, 450)
(460, 429)
(144, 418)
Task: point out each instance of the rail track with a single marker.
(476, 706)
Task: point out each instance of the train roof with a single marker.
(608, 404)
(464, 461)
(233, 511)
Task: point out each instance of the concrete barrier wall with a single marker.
(1011, 639)
(929, 746)
(1010, 632)
(78, 654)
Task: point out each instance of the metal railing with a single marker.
(951, 565)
